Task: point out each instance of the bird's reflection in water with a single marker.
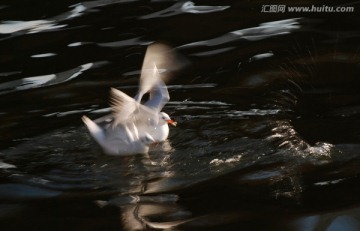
(144, 205)
(159, 212)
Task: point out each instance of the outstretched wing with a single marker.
(160, 62)
(126, 110)
(156, 55)
(122, 106)
(159, 94)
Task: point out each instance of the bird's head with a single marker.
(165, 117)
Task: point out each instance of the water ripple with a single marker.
(35, 26)
(124, 43)
(263, 31)
(46, 80)
(44, 55)
(184, 7)
(24, 192)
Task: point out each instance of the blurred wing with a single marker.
(159, 61)
(127, 111)
(159, 96)
(123, 106)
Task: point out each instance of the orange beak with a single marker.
(172, 122)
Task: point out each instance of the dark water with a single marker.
(268, 109)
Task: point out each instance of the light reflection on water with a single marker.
(9, 27)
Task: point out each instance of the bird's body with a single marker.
(132, 126)
(120, 140)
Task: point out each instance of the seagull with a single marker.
(120, 140)
(133, 126)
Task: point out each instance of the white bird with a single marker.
(132, 126)
(120, 140)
